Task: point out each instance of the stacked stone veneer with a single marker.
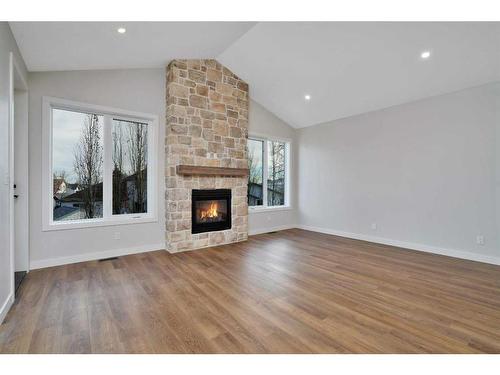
(207, 120)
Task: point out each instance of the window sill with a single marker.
(98, 223)
(255, 210)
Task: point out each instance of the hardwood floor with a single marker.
(288, 292)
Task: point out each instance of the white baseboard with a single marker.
(408, 245)
(51, 262)
(43, 263)
(6, 307)
(270, 229)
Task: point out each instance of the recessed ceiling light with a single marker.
(307, 97)
(425, 54)
(122, 30)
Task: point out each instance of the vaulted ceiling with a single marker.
(347, 68)
(49, 46)
(351, 68)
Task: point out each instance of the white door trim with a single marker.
(13, 70)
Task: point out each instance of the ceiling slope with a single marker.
(53, 46)
(347, 68)
(351, 68)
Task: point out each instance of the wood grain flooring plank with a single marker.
(292, 291)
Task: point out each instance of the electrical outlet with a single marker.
(116, 236)
(374, 226)
(480, 240)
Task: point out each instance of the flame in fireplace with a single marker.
(211, 212)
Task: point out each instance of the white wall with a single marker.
(138, 90)
(135, 90)
(7, 45)
(427, 173)
(264, 123)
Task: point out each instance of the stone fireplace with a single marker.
(206, 161)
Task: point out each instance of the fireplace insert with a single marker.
(211, 210)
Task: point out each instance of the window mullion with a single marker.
(107, 187)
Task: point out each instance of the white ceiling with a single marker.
(352, 68)
(347, 68)
(49, 46)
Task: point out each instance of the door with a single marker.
(18, 176)
(21, 171)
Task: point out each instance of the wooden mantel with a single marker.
(192, 170)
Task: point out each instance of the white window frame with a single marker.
(288, 150)
(48, 223)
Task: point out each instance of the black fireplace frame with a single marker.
(207, 195)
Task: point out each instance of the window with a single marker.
(99, 163)
(268, 163)
(276, 173)
(77, 168)
(256, 172)
(130, 167)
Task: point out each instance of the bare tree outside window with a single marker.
(81, 154)
(276, 173)
(61, 174)
(77, 165)
(255, 175)
(138, 161)
(118, 168)
(88, 165)
(129, 167)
